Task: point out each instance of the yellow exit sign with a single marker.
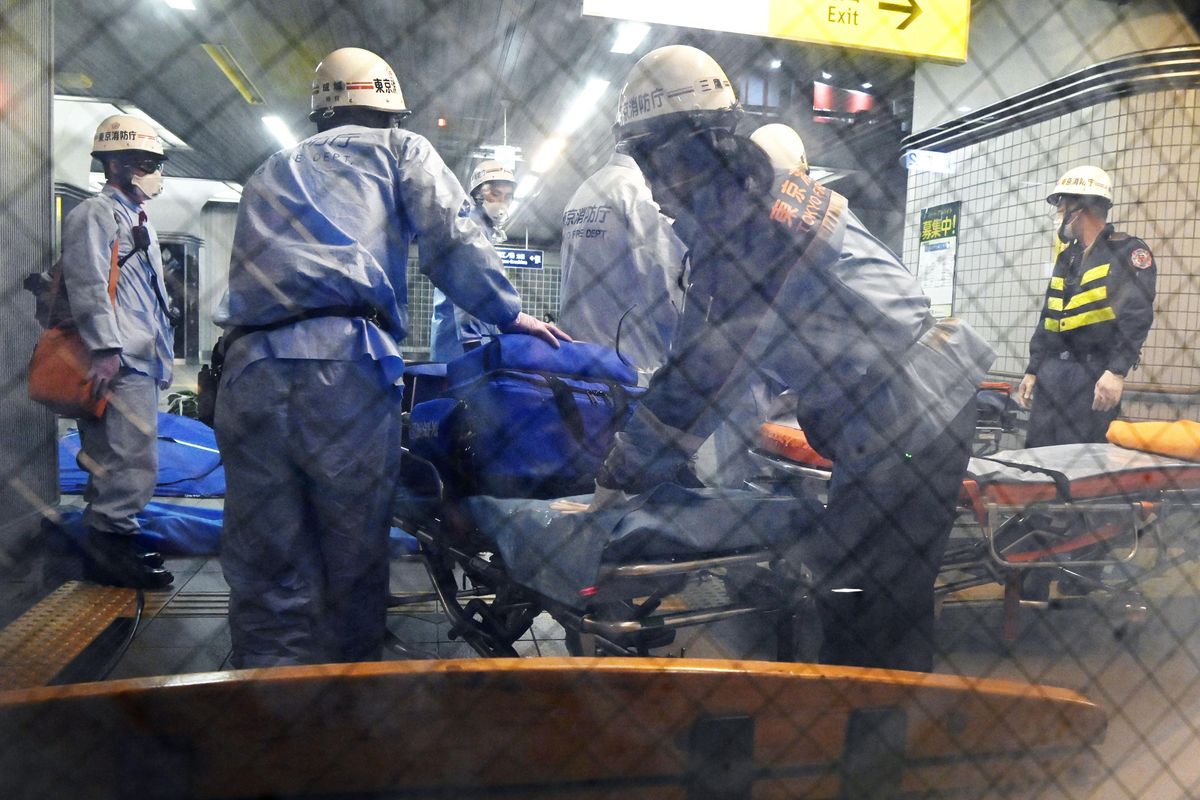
(934, 29)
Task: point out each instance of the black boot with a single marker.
(116, 560)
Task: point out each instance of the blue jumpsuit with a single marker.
(793, 289)
(308, 413)
(119, 450)
(451, 329)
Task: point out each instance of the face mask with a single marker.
(497, 212)
(151, 185)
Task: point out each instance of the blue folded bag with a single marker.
(529, 420)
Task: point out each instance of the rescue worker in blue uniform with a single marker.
(453, 331)
(786, 281)
(131, 342)
(1098, 310)
(622, 266)
(308, 413)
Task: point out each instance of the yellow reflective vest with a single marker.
(1099, 303)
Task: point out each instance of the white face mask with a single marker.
(497, 212)
(151, 184)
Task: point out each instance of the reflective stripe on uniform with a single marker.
(1086, 318)
(1054, 303)
(1052, 325)
(1094, 274)
(1090, 296)
(1057, 283)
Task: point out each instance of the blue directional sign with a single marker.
(516, 258)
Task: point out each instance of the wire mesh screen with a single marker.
(869, 378)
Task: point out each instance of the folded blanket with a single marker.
(1179, 439)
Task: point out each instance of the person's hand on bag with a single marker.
(105, 366)
(546, 331)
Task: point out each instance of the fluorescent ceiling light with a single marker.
(867, 85)
(629, 36)
(182, 5)
(826, 75)
(525, 187)
(776, 63)
(280, 131)
(581, 107)
(549, 152)
(506, 154)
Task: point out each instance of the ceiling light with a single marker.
(223, 58)
(506, 154)
(629, 36)
(963, 109)
(549, 152)
(867, 85)
(280, 131)
(581, 107)
(826, 75)
(525, 187)
(776, 63)
(182, 5)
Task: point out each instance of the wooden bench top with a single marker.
(570, 727)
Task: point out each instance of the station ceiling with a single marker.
(497, 71)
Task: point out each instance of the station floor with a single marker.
(1147, 676)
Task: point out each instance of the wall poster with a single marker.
(936, 257)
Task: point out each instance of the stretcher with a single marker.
(620, 582)
(1092, 516)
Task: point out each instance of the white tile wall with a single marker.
(1150, 144)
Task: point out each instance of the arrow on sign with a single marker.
(912, 9)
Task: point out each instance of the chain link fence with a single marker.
(1072, 567)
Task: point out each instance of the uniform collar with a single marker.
(121, 197)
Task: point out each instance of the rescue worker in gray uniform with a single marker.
(453, 331)
(1098, 310)
(131, 341)
(621, 265)
(882, 388)
(308, 413)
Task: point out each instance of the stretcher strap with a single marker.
(1061, 482)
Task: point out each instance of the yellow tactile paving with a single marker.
(41, 642)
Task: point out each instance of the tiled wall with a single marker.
(1150, 145)
(538, 288)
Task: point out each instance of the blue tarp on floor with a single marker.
(189, 464)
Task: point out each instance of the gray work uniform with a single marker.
(619, 253)
(793, 288)
(308, 413)
(451, 329)
(119, 450)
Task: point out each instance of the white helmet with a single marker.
(122, 132)
(353, 77)
(672, 80)
(1086, 181)
(490, 170)
(783, 146)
